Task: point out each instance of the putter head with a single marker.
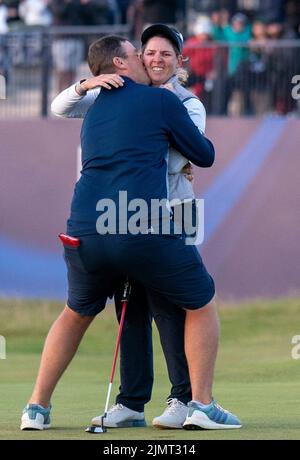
(96, 429)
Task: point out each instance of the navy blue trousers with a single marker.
(175, 278)
(136, 363)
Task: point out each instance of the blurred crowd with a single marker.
(259, 64)
(137, 13)
(239, 36)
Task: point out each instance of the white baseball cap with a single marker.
(203, 25)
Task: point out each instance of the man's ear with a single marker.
(119, 63)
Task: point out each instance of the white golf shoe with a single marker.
(174, 415)
(119, 416)
(35, 417)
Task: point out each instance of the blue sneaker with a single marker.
(35, 417)
(211, 417)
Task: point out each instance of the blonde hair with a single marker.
(182, 75)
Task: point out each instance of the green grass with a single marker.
(255, 375)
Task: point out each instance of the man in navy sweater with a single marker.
(124, 156)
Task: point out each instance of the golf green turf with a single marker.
(256, 377)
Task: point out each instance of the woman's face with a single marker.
(160, 60)
(259, 30)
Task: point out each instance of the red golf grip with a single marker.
(69, 240)
(118, 340)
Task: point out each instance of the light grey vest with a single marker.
(179, 186)
(180, 91)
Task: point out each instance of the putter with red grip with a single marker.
(125, 298)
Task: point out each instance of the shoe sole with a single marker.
(166, 427)
(200, 421)
(215, 426)
(126, 424)
(34, 427)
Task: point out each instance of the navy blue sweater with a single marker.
(125, 141)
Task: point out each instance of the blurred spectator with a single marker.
(201, 63)
(135, 19)
(82, 12)
(5, 65)
(207, 6)
(74, 12)
(238, 32)
(12, 13)
(3, 18)
(123, 6)
(284, 64)
(256, 71)
(220, 20)
(272, 11)
(35, 12)
(232, 6)
(277, 31)
(259, 32)
(67, 50)
(165, 11)
(293, 16)
(144, 12)
(99, 12)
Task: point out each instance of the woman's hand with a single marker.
(187, 171)
(105, 81)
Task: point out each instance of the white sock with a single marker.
(200, 404)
